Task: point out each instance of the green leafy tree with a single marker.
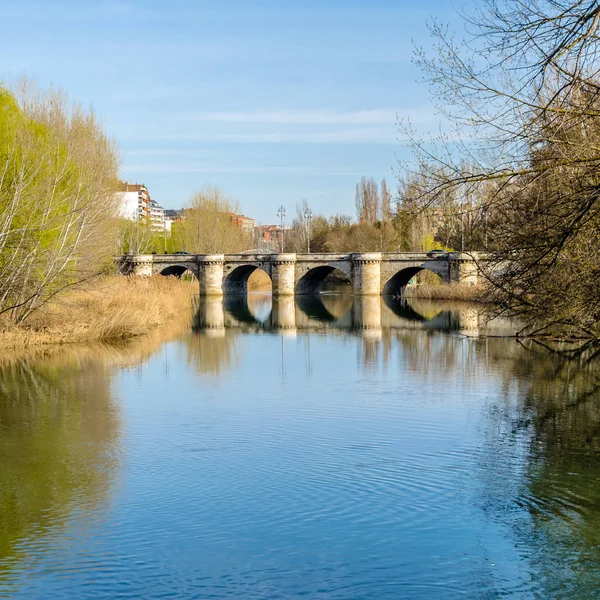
(57, 201)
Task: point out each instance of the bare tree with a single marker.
(359, 203)
(386, 203)
(367, 201)
(297, 237)
(209, 225)
(522, 96)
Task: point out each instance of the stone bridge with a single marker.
(371, 273)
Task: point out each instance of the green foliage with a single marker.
(137, 238)
(57, 171)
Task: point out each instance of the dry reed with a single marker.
(452, 291)
(111, 309)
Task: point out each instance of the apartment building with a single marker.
(246, 224)
(156, 217)
(135, 201)
(137, 205)
(267, 238)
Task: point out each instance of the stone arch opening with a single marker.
(247, 278)
(397, 284)
(323, 279)
(179, 271)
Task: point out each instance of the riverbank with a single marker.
(112, 309)
(116, 309)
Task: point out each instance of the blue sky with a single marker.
(272, 101)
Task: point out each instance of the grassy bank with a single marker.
(111, 309)
(452, 291)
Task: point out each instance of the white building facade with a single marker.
(136, 205)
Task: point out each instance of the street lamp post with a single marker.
(281, 214)
(308, 217)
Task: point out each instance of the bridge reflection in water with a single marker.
(368, 316)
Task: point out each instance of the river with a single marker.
(324, 448)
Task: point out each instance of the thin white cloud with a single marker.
(312, 117)
(301, 117)
(194, 168)
(112, 9)
(346, 136)
(378, 126)
(156, 92)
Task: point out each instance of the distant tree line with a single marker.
(383, 223)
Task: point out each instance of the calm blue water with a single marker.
(313, 460)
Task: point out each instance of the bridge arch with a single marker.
(178, 271)
(395, 285)
(236, 281)
(313, 281)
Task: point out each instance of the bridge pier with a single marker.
(366, 273)
(283, 274)
(210, 274)
(464, 269)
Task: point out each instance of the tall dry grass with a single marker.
(452, 291)
(111, 309)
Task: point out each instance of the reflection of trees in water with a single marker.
(59, 435)
(557, 413)
(58, 446)
(422, 351)
(540, 471)
(374, 351)
(540, 465)
(540, 468)
(212, 353)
